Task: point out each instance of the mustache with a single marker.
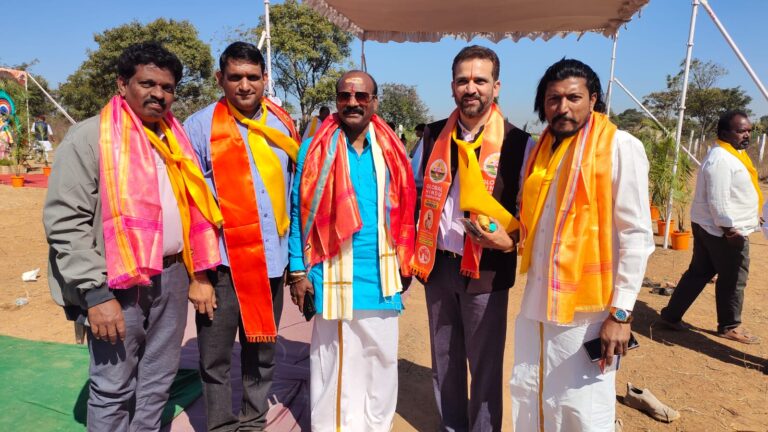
(563, 117)
(153, 100)
(353, 110)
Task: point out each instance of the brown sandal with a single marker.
(740, 334)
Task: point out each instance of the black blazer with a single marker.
(497, 269)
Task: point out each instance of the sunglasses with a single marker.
(362, 98)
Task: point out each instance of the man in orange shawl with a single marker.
(129, 221)
(585, 240)
(246, 146)
(351, 242)
(471, 167)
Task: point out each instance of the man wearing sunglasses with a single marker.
(351, 240)
(471, 167)
(245, 144)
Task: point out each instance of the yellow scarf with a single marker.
(186, 178)
(536, 189)
(267, 161)
(744, 158)
(474, 196)
(580, 259)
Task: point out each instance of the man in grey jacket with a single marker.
(129, 287)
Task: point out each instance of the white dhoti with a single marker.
(554, 385)
(353, 372)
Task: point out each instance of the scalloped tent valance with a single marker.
(431, 20)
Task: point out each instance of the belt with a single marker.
(448, 254)
(172, 259)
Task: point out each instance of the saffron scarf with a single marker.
(267, 162)
(132, 213)
(475, 185)
(328, 209)
(744, 158)
(242, 227)
(338, 271)
(581, 257)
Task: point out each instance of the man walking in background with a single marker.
(723, 214)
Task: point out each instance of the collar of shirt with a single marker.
(466, 134)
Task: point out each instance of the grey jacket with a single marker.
(77, 270)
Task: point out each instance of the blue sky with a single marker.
(59, 33)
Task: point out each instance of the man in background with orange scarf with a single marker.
(471, 167)
(246, 146)
(724, 212)
(351, 242)
(129, 221)
(585, 241)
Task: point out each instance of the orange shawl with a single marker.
(329, 212)
(581, 256)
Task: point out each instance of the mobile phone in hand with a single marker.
(470, 227)
(593, 347)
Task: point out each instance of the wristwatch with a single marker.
(622, 316)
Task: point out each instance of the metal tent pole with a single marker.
(650, 114)
(681, 115)
(270, 80)
(736, 50)
(613, 68)
(59, 107)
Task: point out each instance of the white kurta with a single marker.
(574, 394)
(353, 372)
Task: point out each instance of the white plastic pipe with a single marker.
(681, 115)
(613, 68)
(735, 48)
(270, 81)
(56, 104)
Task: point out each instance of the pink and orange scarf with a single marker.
(131, 209)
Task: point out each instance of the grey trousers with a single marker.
(216, 339)
(466, 328)
(712, 256)
(131, 380)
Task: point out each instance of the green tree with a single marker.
(307, 54)
(91, 86)
(705, 102)
(401, 105)
(629, 120)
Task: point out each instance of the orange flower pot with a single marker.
(681, 240)
(17, 181)
(661, 225)
(655, 213)
(47, 170)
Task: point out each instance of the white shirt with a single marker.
(173, 236)
(725, 196)
(307, 130)
(632, 235)
(765, 218)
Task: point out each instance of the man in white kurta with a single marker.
(554, 385)
(314, 124)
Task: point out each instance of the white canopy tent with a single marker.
(430, 21)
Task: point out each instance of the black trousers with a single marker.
(216, 339)
(712, 256)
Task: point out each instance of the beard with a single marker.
(565, 133)
(473, 111)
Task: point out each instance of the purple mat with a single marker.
(289, 401)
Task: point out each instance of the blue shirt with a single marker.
(366, 280)
(198, 128)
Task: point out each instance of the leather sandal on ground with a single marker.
(740, 334)
(677, 326)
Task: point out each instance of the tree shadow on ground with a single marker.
(646, 323)
(415, 396)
